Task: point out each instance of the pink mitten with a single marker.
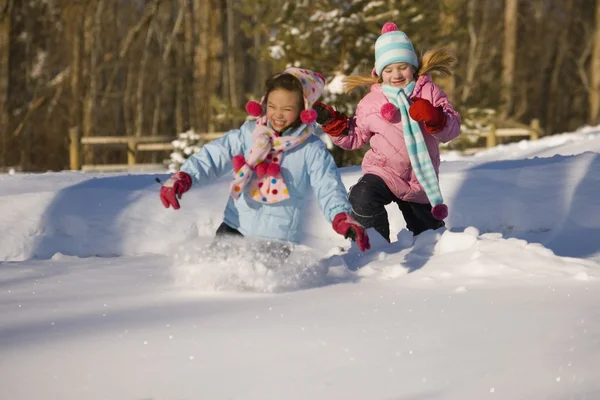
(174, 188)
(346, 226)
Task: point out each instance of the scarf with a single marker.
(415, 143)
(269, 147)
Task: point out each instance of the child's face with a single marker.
(283, 108)
(397, 74)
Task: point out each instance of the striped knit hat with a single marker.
(393, 46)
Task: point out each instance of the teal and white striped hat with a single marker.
(393, 46)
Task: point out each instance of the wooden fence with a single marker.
(133, 146)
(509, 129)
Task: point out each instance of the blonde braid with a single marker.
(440, 60)
(355, 81)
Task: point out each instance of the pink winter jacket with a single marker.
(388, 157)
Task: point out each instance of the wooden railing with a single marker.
(510, 129)
(133, 146)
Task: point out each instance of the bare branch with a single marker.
(126, 43)
(581, 61)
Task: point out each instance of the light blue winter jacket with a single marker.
(308, 166)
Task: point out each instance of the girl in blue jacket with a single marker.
(276, 160)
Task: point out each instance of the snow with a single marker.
(336, 86)
(104, 294)
(276, 52)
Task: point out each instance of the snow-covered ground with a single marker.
(104, 294)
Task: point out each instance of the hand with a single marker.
(421, 110)
(174, 188)
(324, 112)
(346, 226)
(334, 123)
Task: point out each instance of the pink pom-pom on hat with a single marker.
(308, 116)
(389, 27)
(254, 108)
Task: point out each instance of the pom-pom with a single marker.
(238, 162)
(308, 116)
(389, 27)
(261, 169)
(253, 108)
(273, 170)
(389, 112)
(440, 211)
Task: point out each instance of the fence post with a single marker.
(131, 150)
(535, 129)
(491, 137)
(74, 146)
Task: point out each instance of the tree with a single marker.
(5, 23)
(594, 97)
(509, 54)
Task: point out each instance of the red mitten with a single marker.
(346, 226)
(421, 110)
(324, 112)
(174, 188)
(334, 123)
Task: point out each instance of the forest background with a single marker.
(75, 68)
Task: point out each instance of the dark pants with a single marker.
(276, 250)
(225, 230)
(369, 197)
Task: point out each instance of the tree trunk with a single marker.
(125, 44)
(189, 47)
(215, 67)
(127, 101)
(476, 45)
(202, 12)
(180, 97)
(91, 35)
(139, 93)
(72, 17)
(449, 25)
(5, 24)
(556, 80)
(231, 50)
(594, 116)
(163, 66)
(509, 55)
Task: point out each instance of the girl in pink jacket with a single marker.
(404, 117)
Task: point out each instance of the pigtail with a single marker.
(355, 81)
(440, 60)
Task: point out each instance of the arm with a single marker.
(433, 109)
(326, 182)
(331, 194)
(452, 128)
(214, 158)
(347, 133)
